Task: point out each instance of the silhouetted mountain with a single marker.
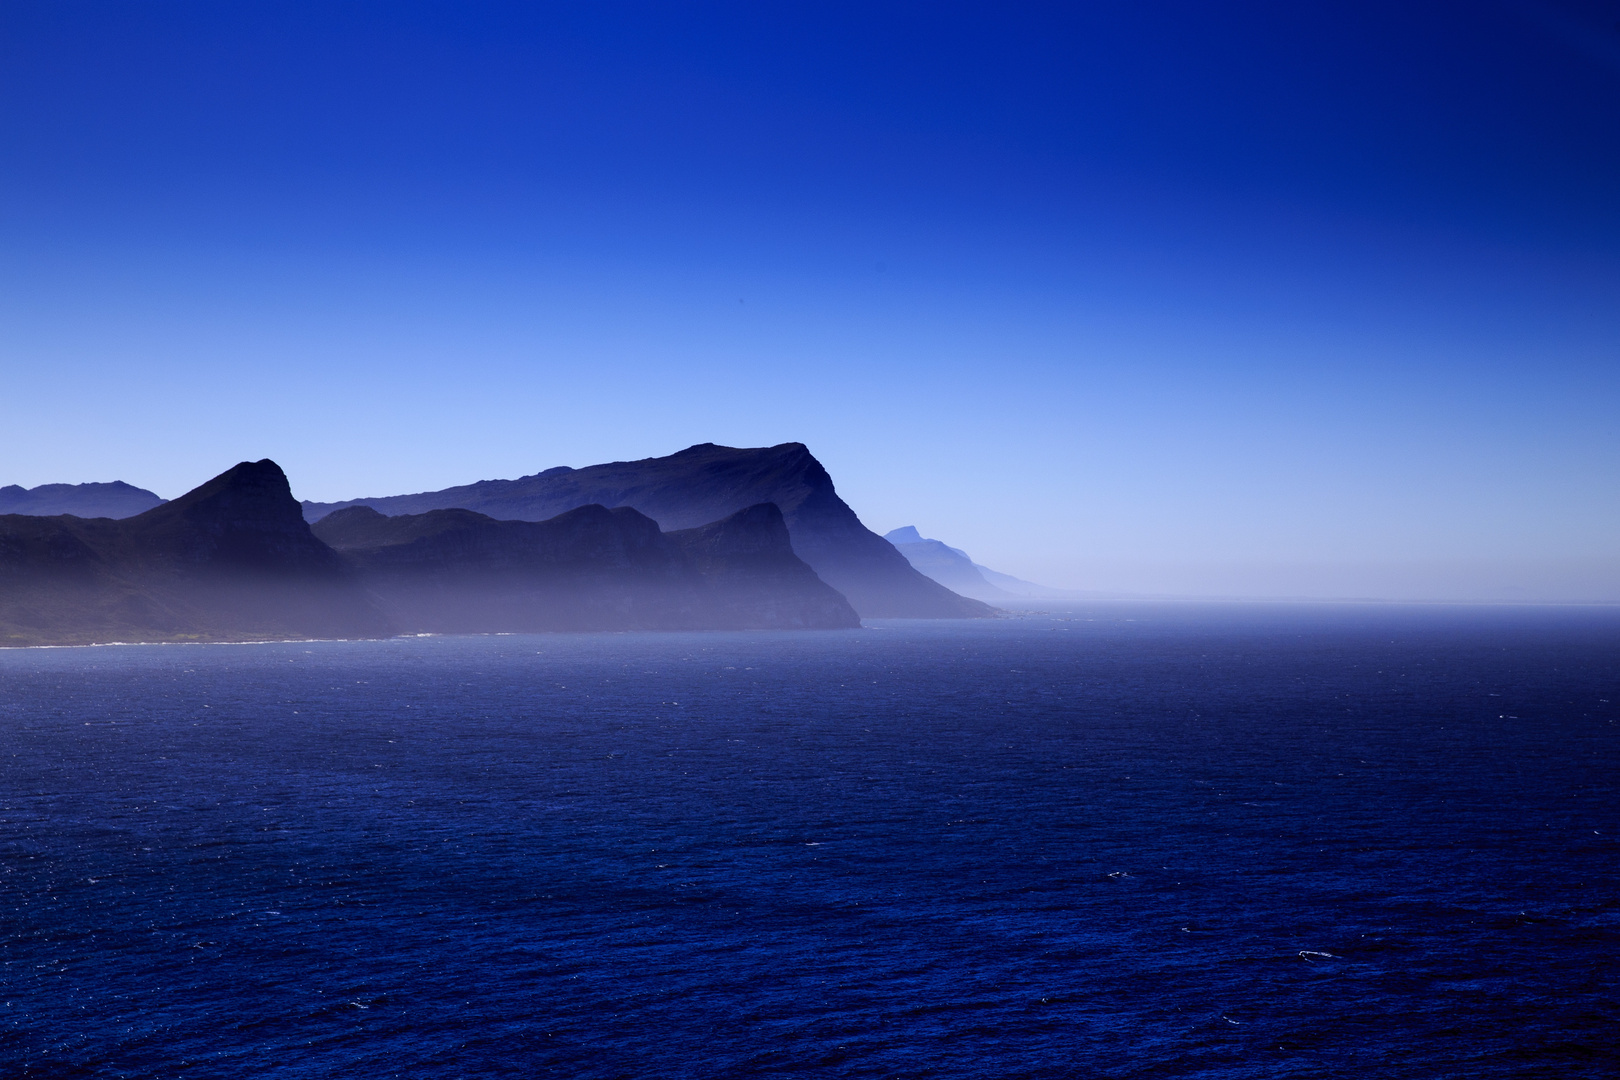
(233, 560)
(452, 571)
(114, 500)
(705, 484)
(953, 568)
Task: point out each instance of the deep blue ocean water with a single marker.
(1129, 840)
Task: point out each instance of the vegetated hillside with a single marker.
(451, 571)
(706, 483)
(233, 560)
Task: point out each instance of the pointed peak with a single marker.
(250, 491)
(262, 476)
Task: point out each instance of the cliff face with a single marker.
(707, 483)
(450, 571)
(232, 560)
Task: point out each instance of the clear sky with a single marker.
(1268, 299)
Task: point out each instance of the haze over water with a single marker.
(1126, 840)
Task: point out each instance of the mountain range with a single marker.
(591, 568)
(238, 558)
(114, 500)
(703, 484)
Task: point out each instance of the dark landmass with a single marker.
(114, 500)
(956, 570)
(707, 483)
(591, 568)
(233, 560)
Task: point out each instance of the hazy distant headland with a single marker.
(956, 570)
(710, 538)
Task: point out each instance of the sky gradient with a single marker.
(1255, 299)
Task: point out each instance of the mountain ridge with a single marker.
(234, 560)
(705, 483)
(110, 500)
(455, 570)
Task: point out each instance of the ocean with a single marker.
(1123, 840)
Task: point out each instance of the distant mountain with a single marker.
(114, 500)
(704, 484)
(591, 568)
(953, 568)
(947, 565)
(233, 560)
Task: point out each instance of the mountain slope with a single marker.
(754, 576)
(451, 571)
(704, 484)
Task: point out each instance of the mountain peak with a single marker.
(245, 516)
(253, 490)
(905, 534)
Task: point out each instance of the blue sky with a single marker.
(1246, 299)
